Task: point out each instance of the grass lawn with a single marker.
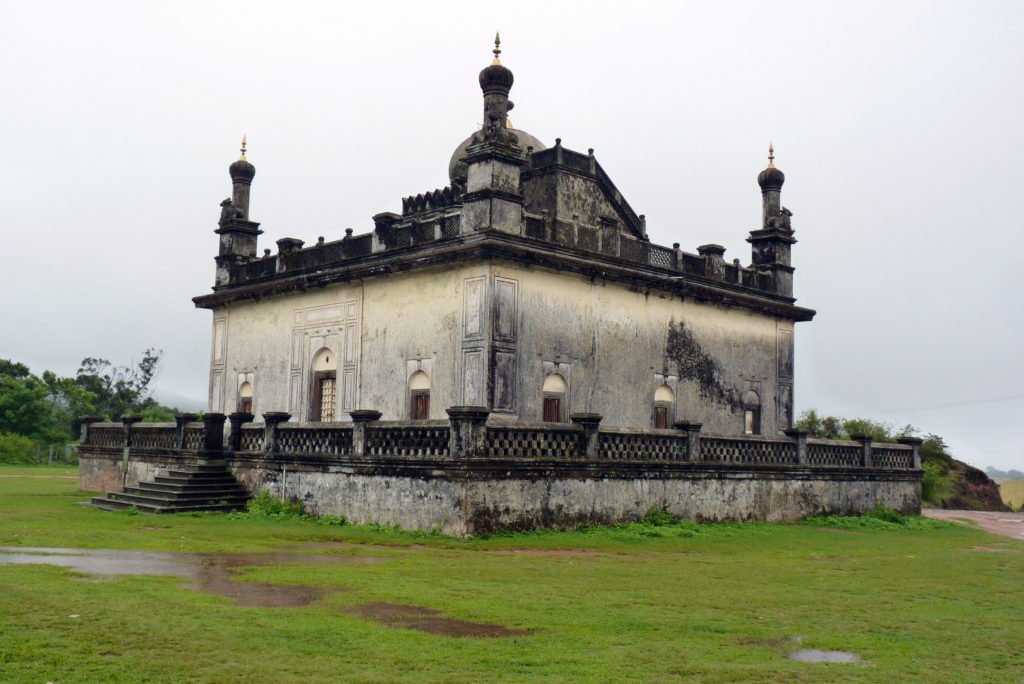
(917, 602)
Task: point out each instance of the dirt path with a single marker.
(1004, 524)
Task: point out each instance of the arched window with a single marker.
(663, 407)
(554, 397)
(751, 413)
(419, 396)
(325, 387)
(245, 398)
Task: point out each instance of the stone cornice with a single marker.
(492, 245)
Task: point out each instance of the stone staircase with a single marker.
(207, 486)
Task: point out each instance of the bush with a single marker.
(657, 516)
(264, 505)
(17, 449)
(267, 506)
(878, 518)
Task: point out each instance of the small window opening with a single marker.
(245, 398)
(663, 397)
(554, 394)
(419, 396)
(325, 388)
(751, 414)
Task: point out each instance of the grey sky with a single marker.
(897, 125)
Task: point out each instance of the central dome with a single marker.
(457, 169)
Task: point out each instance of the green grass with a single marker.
(659, 602)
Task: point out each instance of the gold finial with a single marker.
(242, 158)
(497, 48)
(771, 155)
(508, 122)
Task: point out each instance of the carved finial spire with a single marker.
(771, 155)
(497, 48)
(242, 158)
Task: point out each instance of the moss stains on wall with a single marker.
(696, 364)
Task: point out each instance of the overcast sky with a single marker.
(898, 125)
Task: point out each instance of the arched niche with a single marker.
(419, 396)
(245, 397)
(663, 402)
(324, 399)
(751, 413)
(554, 398)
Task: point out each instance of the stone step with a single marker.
(151, 500)
(188, 479)
(198, 474)
(115, 505)
(206, 486)
(190, 487)
(211, 494)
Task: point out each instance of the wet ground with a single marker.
(813, 655)
(430, 621)
(211, 573)
(217, 573)
(1004, 524)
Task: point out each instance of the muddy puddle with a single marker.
(218, 574)
(430, 621)
(211, 573)
(547, 553)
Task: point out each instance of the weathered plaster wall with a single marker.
(615, 347)
(556, 502)
(381, 331)
(107, 471)
(481, 496)
(489, 334)
(469, 503)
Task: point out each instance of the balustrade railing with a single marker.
(252, 437)
(443, 439)
(747, 449)
(834, 453)
(533, 440)
(641, 445)
(154, 436)
(195, 436)
(105, 435)
(314, 438)
(420, 438)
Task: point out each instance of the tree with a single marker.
(24, 406)
(119, 390)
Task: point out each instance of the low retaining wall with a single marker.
(468, 477)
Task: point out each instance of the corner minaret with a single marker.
(771, 245)
(238, 234)
(242, 173)
(493, 199)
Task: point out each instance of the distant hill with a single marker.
(997, 474)
(180, 401)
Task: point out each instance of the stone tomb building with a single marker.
(510, 351)
(527, 286)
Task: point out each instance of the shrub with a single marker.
(264, 505)
(657, 516)
(17, 449)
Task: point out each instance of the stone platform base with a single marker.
(483, 495)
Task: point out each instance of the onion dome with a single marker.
(242, 170)
(457, 169)
(496, 78)
(771, 178)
